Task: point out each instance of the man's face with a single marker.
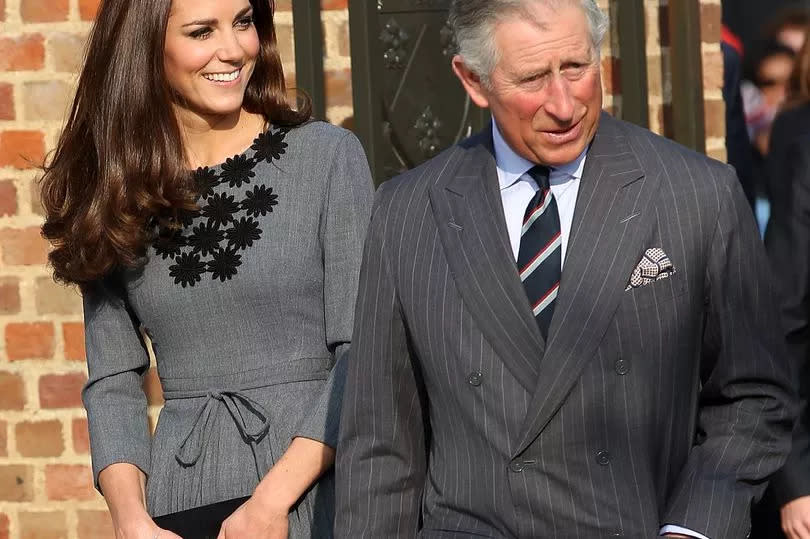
(546, 91)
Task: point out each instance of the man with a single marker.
(565, 324)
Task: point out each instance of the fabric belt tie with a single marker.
(240, 407)
(252, 419)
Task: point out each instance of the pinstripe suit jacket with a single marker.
(666, 404)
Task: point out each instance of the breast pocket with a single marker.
(655, 294)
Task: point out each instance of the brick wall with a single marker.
(45, 489)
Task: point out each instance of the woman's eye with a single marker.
(202, 33)
(245, 22)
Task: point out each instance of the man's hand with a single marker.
(796, 518)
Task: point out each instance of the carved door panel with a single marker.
(408, 103)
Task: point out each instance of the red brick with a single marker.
(611, 75)
(12, 391)
(40, 438)
(334, 4)
(3, 439)
(29, 340)
(44, 10)
(81, 436)
(23, 247)
(42, 525)
(9, 295)
(95, 525)
(8, 192)
(339, 88)
(152, 388)
(61, 390)
(51, 297)
(73, 333)
(7, 102)
(4, 523)
(22, 150)
(22, 53)
(68, 482)
(88, 9)
(66, 51)
(16, 483)
(710, 23)
(715, 118)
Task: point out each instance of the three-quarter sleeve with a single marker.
(113, 396)
(346, 214)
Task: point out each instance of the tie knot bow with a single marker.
(540, 174)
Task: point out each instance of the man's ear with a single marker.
(471, 82)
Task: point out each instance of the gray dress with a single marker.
(249, 306)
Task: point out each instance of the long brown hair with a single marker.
(120, 160)
(799, 83)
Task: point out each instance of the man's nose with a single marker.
(560, 102)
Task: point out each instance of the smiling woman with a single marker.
(203, 215)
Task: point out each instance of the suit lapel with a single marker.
(612, 213)
(469, 213)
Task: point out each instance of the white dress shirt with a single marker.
(518, 189)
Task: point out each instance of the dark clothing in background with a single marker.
(787, 240)
(791, 260)
(790, 129)
(738, 145)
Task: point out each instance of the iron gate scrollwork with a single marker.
(408, 104)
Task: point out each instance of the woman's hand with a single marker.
(124, 488)
(256, 520)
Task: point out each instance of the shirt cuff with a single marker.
(669, 528)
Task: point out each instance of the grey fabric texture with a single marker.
(670, 403)
(271, 341)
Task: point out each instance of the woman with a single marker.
(242, 274)
(788, 242)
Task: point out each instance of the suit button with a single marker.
(474, 379)
(603, 458)
(516, 467)
(622, 366)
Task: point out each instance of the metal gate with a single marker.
(408, 104)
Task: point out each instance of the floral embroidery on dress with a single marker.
(211, 239)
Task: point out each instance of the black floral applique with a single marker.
(260, 201)
(205, 180)
(243, 233)
(212, 240)
(238, 170)
(223, 265)
(220, 209)
(270, 146)
(169, 243)
(205, 238)
(187, 270)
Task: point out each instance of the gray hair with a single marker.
(473, 22)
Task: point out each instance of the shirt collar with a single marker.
(511, 166)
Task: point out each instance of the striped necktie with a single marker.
(540, 255)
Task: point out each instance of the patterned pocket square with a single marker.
(654, 265)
